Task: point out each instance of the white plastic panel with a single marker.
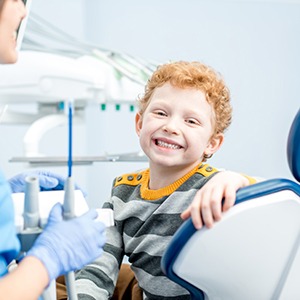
(246, 255)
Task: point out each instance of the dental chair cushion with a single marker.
(252, 253)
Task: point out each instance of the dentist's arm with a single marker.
(26, 282)
(63, 246)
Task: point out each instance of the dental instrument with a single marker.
(69, 201)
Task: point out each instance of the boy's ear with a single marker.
(138, 123)
(214, 145)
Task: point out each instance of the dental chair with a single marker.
(253, 252)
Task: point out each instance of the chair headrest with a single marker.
(293, 147)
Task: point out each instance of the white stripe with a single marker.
(142, 209)
(108, 264)
(87, 287)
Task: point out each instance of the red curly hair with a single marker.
(198, 76)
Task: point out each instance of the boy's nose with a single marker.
(171, 127)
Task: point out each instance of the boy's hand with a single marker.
(206, 208)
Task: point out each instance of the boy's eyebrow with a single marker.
(159, 102)
(199, 111)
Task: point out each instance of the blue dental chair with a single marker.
(253, 252)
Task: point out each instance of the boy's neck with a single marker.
(161, 177)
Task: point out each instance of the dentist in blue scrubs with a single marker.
(63, 246)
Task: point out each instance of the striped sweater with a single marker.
(145, 221)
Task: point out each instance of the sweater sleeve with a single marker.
(97, 280)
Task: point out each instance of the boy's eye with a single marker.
(160, 113)
(192, 121)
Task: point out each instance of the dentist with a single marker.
(63, 246)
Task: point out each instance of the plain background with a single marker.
(254, 44)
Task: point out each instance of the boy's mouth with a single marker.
(164, 144)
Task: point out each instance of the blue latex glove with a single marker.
(48, 181)
(68, 245)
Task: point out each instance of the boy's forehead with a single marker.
(169, 91)
(170, 87)
(187, 97)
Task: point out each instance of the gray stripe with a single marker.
(106, 264)
(160, 285)
(146, 244)
(161, 225)
(177, 202)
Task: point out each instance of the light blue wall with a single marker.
(254, 44)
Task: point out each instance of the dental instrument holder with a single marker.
(31, 214)
(69, 212)
(69, 199)
(32, 225)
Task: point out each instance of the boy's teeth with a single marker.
(167, 145)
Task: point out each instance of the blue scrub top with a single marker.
(9, 243)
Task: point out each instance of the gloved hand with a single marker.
(47, 180)
(68, 245)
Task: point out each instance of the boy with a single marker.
(181, 122)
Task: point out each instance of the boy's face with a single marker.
(176, 128)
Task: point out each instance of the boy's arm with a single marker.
(97, 280)
(206, 207)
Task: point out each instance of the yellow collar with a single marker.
(148, 194)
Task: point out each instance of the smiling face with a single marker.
(11, 14)
(177, 128)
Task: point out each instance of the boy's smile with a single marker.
(165, 143)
